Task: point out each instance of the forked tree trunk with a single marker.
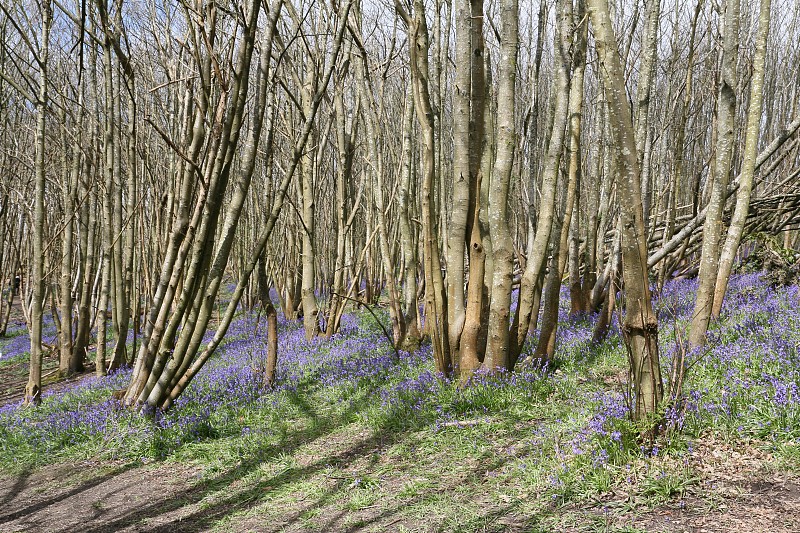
(468, 319)
(458, 234)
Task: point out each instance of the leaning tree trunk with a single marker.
(185, 269)
(537, 251)
(640, 326)
(177, 381)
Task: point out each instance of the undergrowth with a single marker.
(529, 442)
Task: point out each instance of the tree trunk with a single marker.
(33, 390)
(713, 227)
(739, 218)
(640, 326)
(537, 251)
(498, 343)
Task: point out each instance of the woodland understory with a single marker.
(350, 439)
(551, 245)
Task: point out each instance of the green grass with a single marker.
(397, 444)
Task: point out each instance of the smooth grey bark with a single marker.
(736, 228)
(498, 343)
(714, 224)
(33, 389)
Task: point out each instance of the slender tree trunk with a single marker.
(640, 326)
(411, 307)
(713, 227)
(537, 251)
(371, 119)
(739, 218)
(462, 131)
(272, 345)
(498, 343)
(643, 91)
(33, 390)
(344, 175)
(435, 295)
(310, 307)
(574, 168)
(68, 362)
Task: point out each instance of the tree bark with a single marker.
(713, 227)
(537, 251)
(747, 172)
(498, 343)
(33, 390)
(640, 326)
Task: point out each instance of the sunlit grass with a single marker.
(345, 422)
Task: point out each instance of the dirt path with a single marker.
(90, 498)
(771, 505)
(94, 497)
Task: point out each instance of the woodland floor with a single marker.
(316, 456)
(739, 491)
(14, 375)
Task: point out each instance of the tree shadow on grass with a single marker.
(171, 504)
(22, 482)
(327, 504)
(488, 515)
(234, 500)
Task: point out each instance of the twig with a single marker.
(385, 332)
(464, 423)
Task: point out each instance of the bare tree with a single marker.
(640, 326)
(713, 227)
